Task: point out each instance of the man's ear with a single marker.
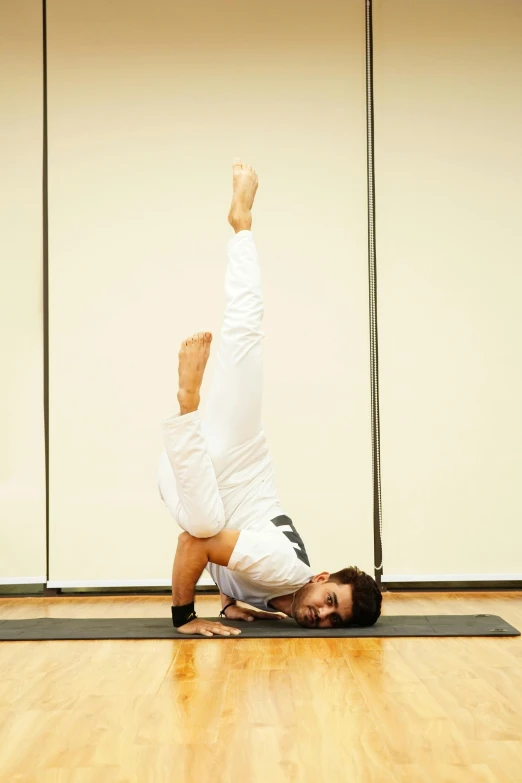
(324, 576)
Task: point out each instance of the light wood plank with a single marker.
(300, 710)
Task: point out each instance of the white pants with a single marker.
(219, 471)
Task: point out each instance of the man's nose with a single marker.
(322, 612)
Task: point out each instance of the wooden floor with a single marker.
(262, 711)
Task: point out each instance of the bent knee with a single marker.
(205, 528)
(205, 531)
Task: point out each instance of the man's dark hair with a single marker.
(367, 597)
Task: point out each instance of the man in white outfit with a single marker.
(217, 478)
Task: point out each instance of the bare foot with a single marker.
(244, 182)
(193, 357)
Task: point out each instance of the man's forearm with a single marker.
(190, 561)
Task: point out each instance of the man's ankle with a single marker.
(188, 402)
(242, 221)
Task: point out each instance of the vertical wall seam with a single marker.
(45, 255)
(372, 275)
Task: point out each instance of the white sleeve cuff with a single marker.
(177, 420)
(238, 552)
(240, 234)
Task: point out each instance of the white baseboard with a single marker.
(451, 577)
(204, 581)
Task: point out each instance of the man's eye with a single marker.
(329, 599)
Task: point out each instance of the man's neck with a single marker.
(283, 603)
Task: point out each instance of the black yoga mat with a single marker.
(161, 628)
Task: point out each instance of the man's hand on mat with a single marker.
(208, 628)
(240, 613)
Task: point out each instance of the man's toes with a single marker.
(203, 337)
(200, 338)
(237, 164)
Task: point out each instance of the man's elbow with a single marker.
(184, 538)
(191, 549)
(189, 543)
(187, 540)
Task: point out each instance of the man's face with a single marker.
(323, 604)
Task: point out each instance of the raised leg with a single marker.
(233, 414)
(199, 509)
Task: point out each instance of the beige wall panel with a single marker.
(448, 152)
(148, 105)
(22, 452)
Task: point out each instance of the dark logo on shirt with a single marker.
(293, 536)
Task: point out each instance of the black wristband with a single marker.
(222, 612)
(183, 614)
